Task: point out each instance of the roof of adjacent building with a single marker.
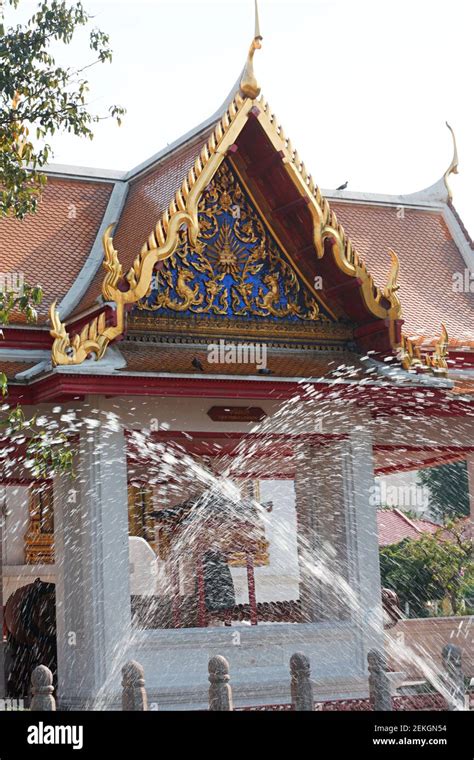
(395, 526)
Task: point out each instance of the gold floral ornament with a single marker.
(235, 269)
(392, 283)
(411, 357)
(409, 354)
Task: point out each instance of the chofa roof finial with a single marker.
(248, 84)
(453, 166)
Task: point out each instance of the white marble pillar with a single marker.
(92, 561)
(361, 509)
(337, 536)
(322, 539)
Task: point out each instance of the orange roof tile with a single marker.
(149, 357)
(13, 368)
(464, 387)
(428, 259)
(50, 247)
(394, 526)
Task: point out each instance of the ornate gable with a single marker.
(235, 270)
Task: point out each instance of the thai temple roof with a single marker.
(387, 263)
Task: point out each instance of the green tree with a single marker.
(448, 488)
(409, 577)
(39, 95)
(47, 450)
(434, 566)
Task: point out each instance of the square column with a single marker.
(92, 560)
(337, 537)
(361, 499)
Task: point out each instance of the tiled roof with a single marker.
(50, 247)
(464, 387)
(394, 526)
(148, 197)
(13, 368)
(428, 259)
(149, 357)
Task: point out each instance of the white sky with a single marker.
(362, 88)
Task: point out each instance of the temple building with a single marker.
(235, 355)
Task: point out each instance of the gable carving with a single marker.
(235, 269)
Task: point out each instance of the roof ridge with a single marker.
(463, 227)
(407, 519)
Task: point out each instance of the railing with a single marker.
(134, 696)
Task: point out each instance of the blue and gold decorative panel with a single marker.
(237, 270)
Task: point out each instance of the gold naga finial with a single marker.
(442, 347)
(437, 360)
(453, 166)
(392, 283)
(248, 84)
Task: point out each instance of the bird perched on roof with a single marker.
(197, 364)
(343, 187)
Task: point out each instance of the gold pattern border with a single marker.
(199, 326)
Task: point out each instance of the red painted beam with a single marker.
(382, 399)
(24, 338)
(288, 208)
(343, 287)
(259, 167)
(418, 465)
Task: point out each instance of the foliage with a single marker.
(432, 567)
(448, 487)
(24, 301)
(37, 93)
(409, 577)
(46, 452)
